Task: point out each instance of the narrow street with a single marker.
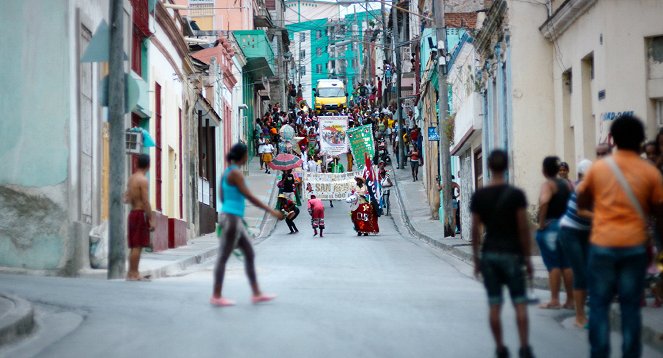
(340, 296)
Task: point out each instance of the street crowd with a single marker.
(599, 235)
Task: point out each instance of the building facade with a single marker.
(594, 79)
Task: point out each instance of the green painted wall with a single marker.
(34, 134)
(34, 72)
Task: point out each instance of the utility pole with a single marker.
(397, 69)
(116, 232)
(442, 121)
(386, 53)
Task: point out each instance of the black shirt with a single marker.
(497, 206)
(289, 183)
(557, 204)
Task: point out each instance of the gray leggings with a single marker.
(234, 234)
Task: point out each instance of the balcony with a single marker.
(261, 16)
(259, 54)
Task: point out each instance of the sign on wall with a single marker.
(433, 135)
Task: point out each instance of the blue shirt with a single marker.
(233, 199)
(572, 219)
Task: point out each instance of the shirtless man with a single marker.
(141, 218)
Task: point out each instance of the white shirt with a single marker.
(268, 148)
(313, 166)
(261, 146)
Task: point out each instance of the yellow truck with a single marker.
(330, 96)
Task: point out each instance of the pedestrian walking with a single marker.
(291, 212)
(261, 150)
(268, 154)
(141, 218)
(233, 192)
(554, 196)
(501, 210)
(574, 239)
(414, 162)
(317, 211)
(623, 189)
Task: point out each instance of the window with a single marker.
(302, 36)
(318, 68)
(318, 34)
(355, 63)
(355, 46)
(318, 51)
(302, 70)
(302, 54)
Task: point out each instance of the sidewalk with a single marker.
(169, 262)
(416, 214)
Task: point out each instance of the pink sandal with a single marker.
(262, 298)
(221, 302)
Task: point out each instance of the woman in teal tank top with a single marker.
(233, 193)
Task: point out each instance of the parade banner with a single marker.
(361, 142)
(332, 134)
(330, 186)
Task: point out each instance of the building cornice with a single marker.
(564, 17)
(167, 23)
(491, 25)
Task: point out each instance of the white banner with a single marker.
(330, 186)
(332, 134)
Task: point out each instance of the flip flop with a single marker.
(221, 302)
(262, 298)
(550, 306)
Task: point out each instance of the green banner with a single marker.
(361, 142)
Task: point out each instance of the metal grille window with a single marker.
(318, 51)
(302, 54)
(318, 68)
(302, 70)
(302, 36)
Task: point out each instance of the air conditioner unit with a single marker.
(134, 142)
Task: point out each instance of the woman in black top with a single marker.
(555, 193)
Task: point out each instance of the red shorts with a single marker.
(138, 229)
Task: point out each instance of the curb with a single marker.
(18, 321)
(180, 265)
(538, 282)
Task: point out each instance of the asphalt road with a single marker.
(340, 296)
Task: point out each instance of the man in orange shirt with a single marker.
(617, 256)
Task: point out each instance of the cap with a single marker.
(282, 196)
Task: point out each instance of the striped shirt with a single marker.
(572, 219)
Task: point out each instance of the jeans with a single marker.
(503, 269)
(551, 250)
(575, 245)
(616, 271)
